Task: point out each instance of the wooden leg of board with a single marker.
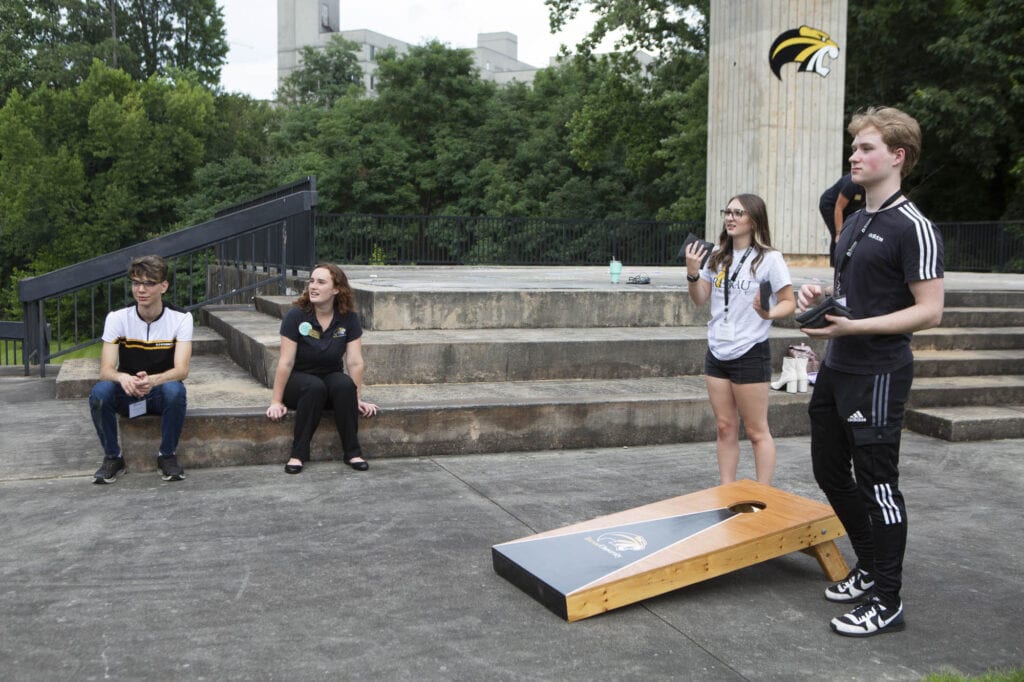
(830, 560)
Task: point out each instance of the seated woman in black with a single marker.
(320, 341)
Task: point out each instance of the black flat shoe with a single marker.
(293, 468)
(358, 466)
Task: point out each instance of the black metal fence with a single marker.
(984, 247)
(12, 339)
(460, 240)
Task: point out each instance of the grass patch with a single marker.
(991, 676)
(93, 351)
(11, 356)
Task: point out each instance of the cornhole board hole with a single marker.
(591, 567)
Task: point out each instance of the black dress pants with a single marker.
(309, 395)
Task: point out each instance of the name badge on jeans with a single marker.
(136, 409)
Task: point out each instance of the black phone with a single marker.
(690, 238)
(766, 296)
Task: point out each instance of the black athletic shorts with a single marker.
(753, 367)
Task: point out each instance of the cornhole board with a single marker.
(591, 567)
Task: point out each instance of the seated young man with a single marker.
(147, 348)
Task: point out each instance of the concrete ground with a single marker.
(245, 573)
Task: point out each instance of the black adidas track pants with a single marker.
(856, 420)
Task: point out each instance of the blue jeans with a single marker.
(108, 399)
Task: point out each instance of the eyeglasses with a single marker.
(733, 212)
(138, 284)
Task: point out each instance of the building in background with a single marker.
(301, 23)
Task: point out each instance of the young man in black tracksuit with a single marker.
(888, 271)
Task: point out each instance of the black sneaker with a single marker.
(854, 587)
(112, 468)
(170, 470)
(870, 618)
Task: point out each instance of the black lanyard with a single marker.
(727, 283)
(844, 257)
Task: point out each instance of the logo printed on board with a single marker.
(618, 542)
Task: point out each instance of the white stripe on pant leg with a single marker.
(880, 400)
(890, 511)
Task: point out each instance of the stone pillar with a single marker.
(775, 113)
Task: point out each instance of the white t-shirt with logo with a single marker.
(748, 328)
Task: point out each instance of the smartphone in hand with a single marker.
(766, 296)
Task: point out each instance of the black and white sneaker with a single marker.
(170, 470)
(853, 588)
(870, 618)
(112, 468)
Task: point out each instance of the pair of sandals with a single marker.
(361, 465)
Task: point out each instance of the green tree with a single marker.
(325, 74)
(662, 26)
(434, 99)
(651, 118)
(45, 43)
(959, 72)
(92, 169)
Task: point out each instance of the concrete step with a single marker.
(252, 339)
(428, 356)
(969, 338)
(951, 363)
(960, 424)
(469, 418)
(643, 306)
(75, 377)
(226, 423)
(462, 355)
(982, 298)
(436, 307)
(967, 391)
(982, 317)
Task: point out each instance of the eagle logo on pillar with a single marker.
(806, 46)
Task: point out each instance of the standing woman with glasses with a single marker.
(321, 367)
(737, 365)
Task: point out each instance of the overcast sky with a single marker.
(251, 65)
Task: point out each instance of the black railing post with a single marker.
(36, 343)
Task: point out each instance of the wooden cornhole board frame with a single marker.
(591, 567)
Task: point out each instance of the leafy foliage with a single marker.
(50, 44)
(960, 73)
(91, 169)
(325, 74)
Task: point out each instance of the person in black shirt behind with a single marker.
(836, 204)
(321, 340)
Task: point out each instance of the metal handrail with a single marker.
(291, 206)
